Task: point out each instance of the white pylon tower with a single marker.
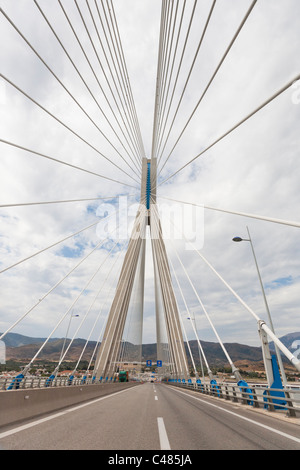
(134, 268)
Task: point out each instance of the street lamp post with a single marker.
(239, 239)
(193, 322)
(66, 335)
(200, 358)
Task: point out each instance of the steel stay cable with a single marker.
(177, 74)
(162, 317)
(114, 81)
(115, 60)
(189, 75)
(25, 370)
(124, 348)
(73, 64)
(204, 310)
(161, 127)
(294, 360)
(54, 287)
(98, 316)
(213, 76)
(104, 323)
(243, 214)
(158, 77)
(56, 77)
(123, 93)
(128, 87)
(256, 110)
(165, 62)
(127, 80)
(188, 312)
(95, 75)
(165, 87)
(62, 356)
(138, 234)
(64, 125)
(63, 201)
(159, 72)
(160, 230)
(54, 244)
(130, 252)
(88, 311)
(63, 163)
(168, 49)
(104, 73)
(168, 354)
(166, 287)
(182, 323)
(122, 323)
(47, 248)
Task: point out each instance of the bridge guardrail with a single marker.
(259, 396)
(13, 383)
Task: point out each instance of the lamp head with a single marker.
(237, 239)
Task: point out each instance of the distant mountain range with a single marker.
(23, 348)
(291, 341)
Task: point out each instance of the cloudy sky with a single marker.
(254, 170)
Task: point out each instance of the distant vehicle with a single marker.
(123, 376)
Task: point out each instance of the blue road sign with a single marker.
(159, 363)
(149, 363)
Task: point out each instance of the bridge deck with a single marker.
(154, 417)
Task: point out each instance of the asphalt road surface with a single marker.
(154, 417)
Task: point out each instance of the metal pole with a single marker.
(199, 351)
(66, 335)
(200, 348)
(268, 312)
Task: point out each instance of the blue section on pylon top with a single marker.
(148, 187)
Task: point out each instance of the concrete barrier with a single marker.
(19, 405)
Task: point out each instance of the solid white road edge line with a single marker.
(288, 436)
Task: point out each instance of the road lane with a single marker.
(154, 417)
(195, 421)
(118, 421)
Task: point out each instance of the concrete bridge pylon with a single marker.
(133, 268)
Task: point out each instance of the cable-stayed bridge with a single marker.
(122, 104)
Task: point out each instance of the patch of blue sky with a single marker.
(112, 246)
(6, 216)
(86, 292)
(91, 208)
(113, 201)
(72, 252)
(280, 282)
